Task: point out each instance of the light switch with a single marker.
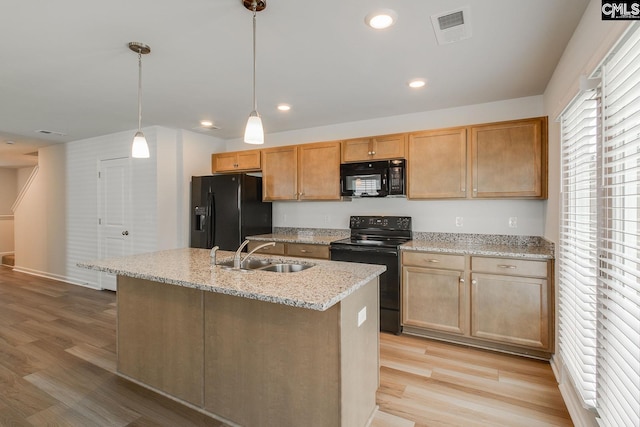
(362, 315)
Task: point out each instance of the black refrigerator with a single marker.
(225, 209)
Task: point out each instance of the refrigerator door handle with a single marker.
(211, 236)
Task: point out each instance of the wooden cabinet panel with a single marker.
(435, 260)
(160, 330)
(319, 171)
(279, 173)
(374, 148)
(510, 310)
(434, 299)
(437, 164)
(236, 161)
(509, 159)
(277, 249)
(512, 267)
(307, 250)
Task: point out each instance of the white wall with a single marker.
(57, 222)
(40, 222)
(8, 193)
(479, 216)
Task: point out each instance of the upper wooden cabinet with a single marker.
(509, 159)
(248, 160)
(302, 172)
(437, 164)
(374, 148)
(280, 173)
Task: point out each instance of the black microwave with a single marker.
(373, 179)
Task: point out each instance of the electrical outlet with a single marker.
(459, 221)
(362, 315)
(513, 222)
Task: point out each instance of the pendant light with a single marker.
(139, 148)
(253, 132)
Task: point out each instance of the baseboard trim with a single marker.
(580, 416)
(55, 277)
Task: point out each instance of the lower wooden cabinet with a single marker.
(434, 297)
(303, 250)
(506, 305)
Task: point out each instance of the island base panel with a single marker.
(275, 365)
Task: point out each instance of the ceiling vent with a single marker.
(50, 132)
(452, 26)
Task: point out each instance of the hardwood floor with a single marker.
(57, 368)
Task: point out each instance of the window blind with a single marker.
(618, 358)
(577, 256)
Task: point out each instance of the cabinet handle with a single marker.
(510, 267)
(433, 261)
(475, 190)
(373, 153)
(461, 280)
(463, 189)
(304, 251)
(474, 282)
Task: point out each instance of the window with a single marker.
(599, 251)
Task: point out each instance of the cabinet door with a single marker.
(319, 171)
(235, 161)
(509, 159)
(434, 299)
(307, 250)
(354, 150)
(279, 173)
(376, 148)
(510, 310)
(249, 160)
(388, 146)
(437, 164)
(223, 162)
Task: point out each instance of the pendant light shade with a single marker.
(139, 148)
(253, 132)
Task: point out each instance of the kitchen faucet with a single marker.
(237, 262)
(213, 255)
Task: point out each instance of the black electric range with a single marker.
(376, 240)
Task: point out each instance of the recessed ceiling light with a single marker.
(206, 123)
(284, 107)
(417, 83)
(381, 19)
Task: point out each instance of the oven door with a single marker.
(389, 280)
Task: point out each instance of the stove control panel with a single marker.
(381, 222)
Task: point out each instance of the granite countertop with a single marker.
(317, 288)
(526, 247)
(311, 236)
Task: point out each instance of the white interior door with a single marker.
(114, 211)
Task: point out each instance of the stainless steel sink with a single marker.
(250, 264)
(286, 267)
(266, 265)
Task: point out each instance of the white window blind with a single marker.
(577, 255)
(618, 362)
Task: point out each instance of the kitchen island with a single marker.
(255, 348)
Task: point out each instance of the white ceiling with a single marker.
(66, 66)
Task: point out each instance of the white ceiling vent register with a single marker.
(452, 26)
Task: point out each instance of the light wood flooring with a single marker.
(57, 368)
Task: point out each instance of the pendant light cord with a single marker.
(139, 89)
(255, 102)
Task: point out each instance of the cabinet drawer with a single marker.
(308, 251)
(510, 266)
(435, 260)
(278, 249)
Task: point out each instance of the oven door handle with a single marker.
(364, 249)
